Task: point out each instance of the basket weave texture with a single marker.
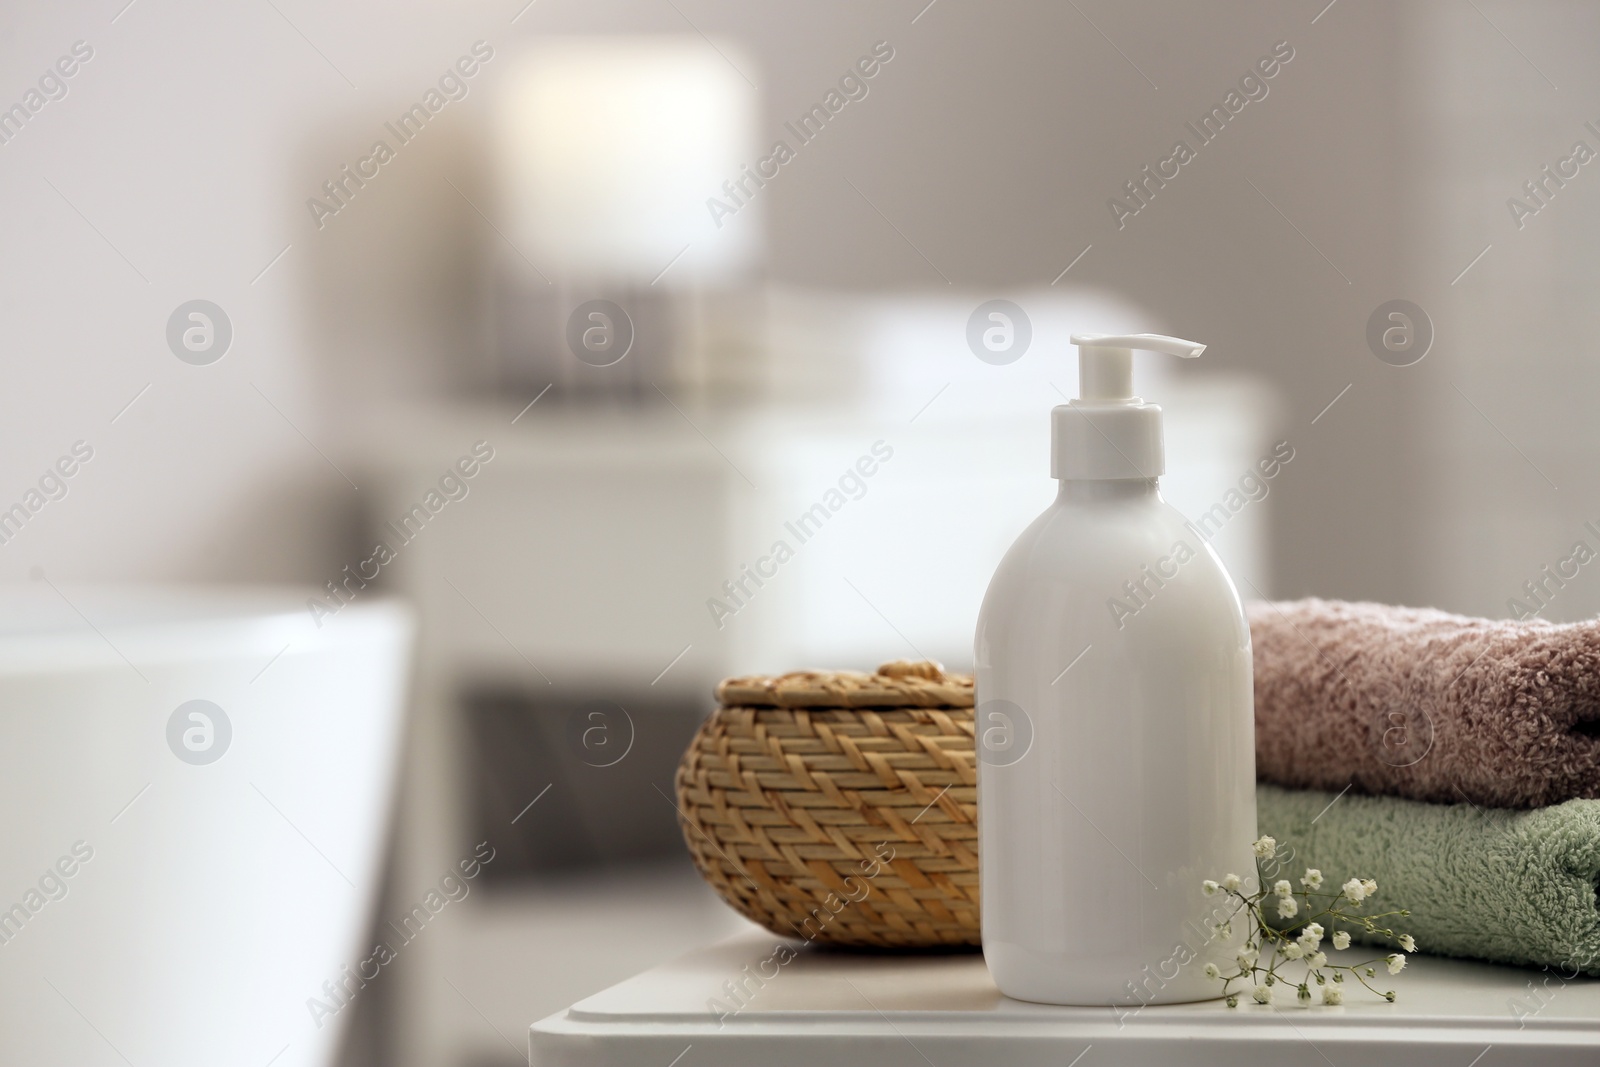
(840, 807)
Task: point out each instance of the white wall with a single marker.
(1504, 409)
(992, 141)
(181, 143)
(192, 138)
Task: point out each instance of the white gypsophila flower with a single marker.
(1288, 907)
(1311, 937)
(1213, 971)
(1265, 847)
(1341, 940)
(1332, 995)
(1263, 994)
(1354, 891)
(1247, 958)
(1312, 878)
(1397, 963)
(1293, 951)
(1370, 886)
(1316, 960)
(1407, 944)
(1282, 887)
(1231, 882)
(1208, 887)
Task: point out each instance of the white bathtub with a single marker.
(219, 893)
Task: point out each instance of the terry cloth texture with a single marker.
(1488, 884)
(1423, 704)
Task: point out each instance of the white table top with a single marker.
(827, 1008)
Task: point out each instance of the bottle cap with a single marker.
(1108, 433)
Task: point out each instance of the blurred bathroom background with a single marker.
(581, 268)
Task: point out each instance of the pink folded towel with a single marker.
(1422, 704)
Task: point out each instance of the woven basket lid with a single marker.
(900, 684)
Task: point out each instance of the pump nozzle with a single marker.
(1108, 433)
(1105, 361)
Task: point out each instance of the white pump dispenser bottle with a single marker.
(1115, 721)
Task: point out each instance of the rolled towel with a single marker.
(1489, 884)
(1423, 704)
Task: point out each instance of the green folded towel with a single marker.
(1484, 883)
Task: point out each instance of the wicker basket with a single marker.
(840, 807)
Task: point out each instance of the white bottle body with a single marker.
(1138, 779)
